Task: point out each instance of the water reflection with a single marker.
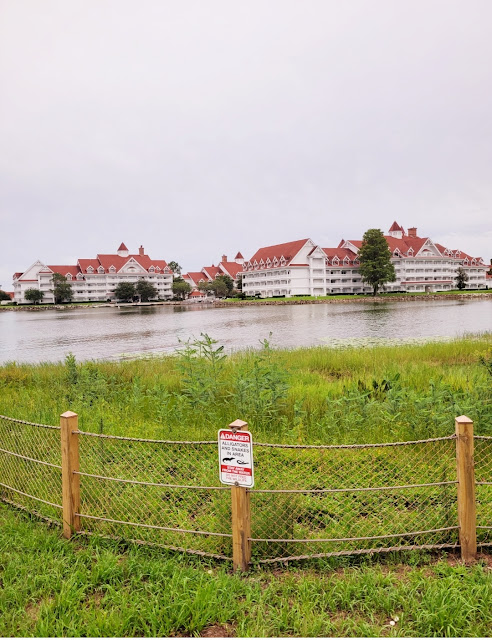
(113, 333)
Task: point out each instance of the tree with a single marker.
(145, 290)
(228, 281)
(125, 291)
(461, 278)
(374, 255)
(239, 285)
(489, 272)
(33, 295)
(181, 288)
(3, 295)
(62, 290)
(175, 267)
(204, 286)
(219, 287)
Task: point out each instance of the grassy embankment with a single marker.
(312, 395)
(368, 296)
(50, 587)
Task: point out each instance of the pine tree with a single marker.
(374, 255)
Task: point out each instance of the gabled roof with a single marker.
(340, 253)
(288, 250)
(213, 271)
(396, 227)
(196, 276)
(122, 247)
(73, 270)
(231, 268)
(239, 256)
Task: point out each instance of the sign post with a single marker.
(236, 469)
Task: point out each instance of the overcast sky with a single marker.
(203, 127)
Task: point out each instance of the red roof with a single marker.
(213, 271)
(396, 227)
(197, 294)
(122, 247)
(196, 276)
(340, 253)
(64, 269)
(231, 268)
(288, 250)
(239, 256)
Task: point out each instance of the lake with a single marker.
(111, 333)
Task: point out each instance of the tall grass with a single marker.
(311, 395)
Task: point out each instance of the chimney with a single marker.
(141, 251)
(224, 258)
(412, 232)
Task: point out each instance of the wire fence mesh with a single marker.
(30, 466)
(483, 479)
(308, 501)
(338, 499)
(169, 490)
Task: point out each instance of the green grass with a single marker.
(96, 588)
(364, 295)
(311, 395)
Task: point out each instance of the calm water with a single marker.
(112, 333)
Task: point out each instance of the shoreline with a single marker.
(247, 303)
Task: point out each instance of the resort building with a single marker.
(95, 279)
(304, 268)
(207, 274)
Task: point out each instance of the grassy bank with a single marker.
(313, 395)
(51, 587)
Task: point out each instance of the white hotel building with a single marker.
(95, 279)
(304, 268)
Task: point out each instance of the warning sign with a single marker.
(236, 457)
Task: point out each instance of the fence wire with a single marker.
(339, 500)
(167, 492)
(30, 467)
(483, 489)
(308, 501)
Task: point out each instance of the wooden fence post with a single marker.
(70, 480)
(467, 519)
(241, 518)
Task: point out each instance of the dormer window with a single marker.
(275, 262)
(157, 269)
(410, 252)
(100, 269)
(151, 270)
(112, 269)
(336, 260)
(268, 263)
(166, 270)
(79, 276)
(68, 276)
(90, 269)
(346, 260)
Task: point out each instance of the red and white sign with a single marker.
(236, 457)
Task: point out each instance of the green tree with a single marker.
(33, 295)
(125, 291)
(62, 290)
(181, 288)
(461, 278)
(145, 290)
(175, 267)
(239, 285)
(228, 281)
(3, 295)
(219, 287)
(205, 287)
(374, 255)
(489, 272)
